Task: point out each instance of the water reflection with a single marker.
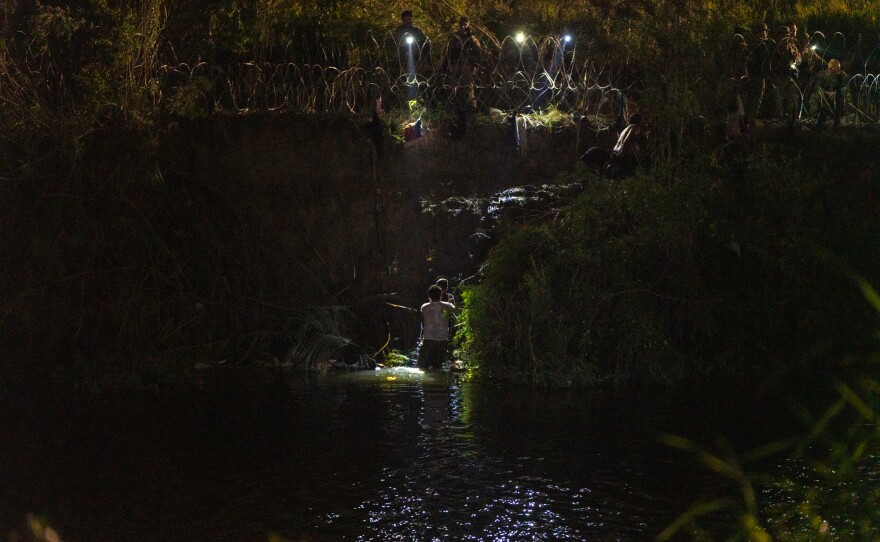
(385, 455)
(480, 471)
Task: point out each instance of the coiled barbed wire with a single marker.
(510, 75)
(324, 75)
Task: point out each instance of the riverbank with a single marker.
(210, 243)
(219, 241)
(739, 260)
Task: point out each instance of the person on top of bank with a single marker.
(406, 29)
(830, 87)
(412, 46)
(435, 329)
(463, 54)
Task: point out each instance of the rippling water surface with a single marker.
(385, 455)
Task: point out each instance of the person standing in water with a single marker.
(435, 329)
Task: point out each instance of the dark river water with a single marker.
(386, 455)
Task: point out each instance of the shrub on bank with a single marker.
(737, 267)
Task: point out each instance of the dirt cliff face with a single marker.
(337, 225)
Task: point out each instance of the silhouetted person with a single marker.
(376, 130)
(758, 71)
(462, 56)
(407, 28)
(412, 46)
(626, 156)
(737, 122)
(783, 77)
(830, 86)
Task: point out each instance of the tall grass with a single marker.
(821, 484)
(321, 333)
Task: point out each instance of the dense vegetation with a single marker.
(96, 258)
(119, 270)
(739, 266)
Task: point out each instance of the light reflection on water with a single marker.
(385, 455)
(454, 484)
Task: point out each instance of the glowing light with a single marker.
(566, 38)
(410, 40)
(814, 47)
(520, 37)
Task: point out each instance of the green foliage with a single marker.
(87, 90)
(193, 99)
(138, 60)
(550, 118)
(742, 508)
(396, 358)
(851, 16)
(823, 488)
(718, 273)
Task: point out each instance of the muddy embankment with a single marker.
(349, 227)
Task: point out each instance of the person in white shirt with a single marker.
(435, 329)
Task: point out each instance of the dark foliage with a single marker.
(733, 269)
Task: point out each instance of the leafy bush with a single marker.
(725, 271)
(395, 358)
